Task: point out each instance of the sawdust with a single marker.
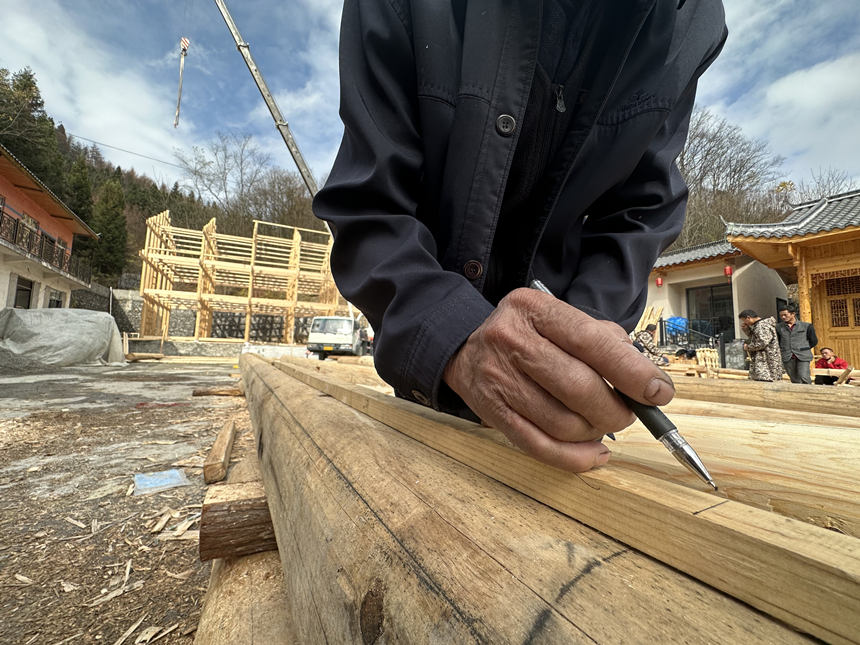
(81, 558)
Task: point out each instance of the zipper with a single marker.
(559, 98)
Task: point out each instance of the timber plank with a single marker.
(667, 521)
(801, 471)
(366, 517)
(215, 466)
(780, 396)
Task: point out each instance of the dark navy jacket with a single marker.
(432, 93)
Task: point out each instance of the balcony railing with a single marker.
(36, 244)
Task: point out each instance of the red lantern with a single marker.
(659, 281)
(727, 271)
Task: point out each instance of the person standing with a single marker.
(796, 340)
(829, 361)
(762, 345)
(645, 339)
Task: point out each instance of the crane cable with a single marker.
(183, 50)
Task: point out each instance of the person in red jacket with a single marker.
(829, 361)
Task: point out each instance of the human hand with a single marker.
(535, 370)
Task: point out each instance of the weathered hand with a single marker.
(535, 370)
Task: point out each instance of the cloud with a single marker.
(786, 76)
(86, 86)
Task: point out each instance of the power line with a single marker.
(138, 154)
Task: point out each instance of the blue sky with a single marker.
(108, 70)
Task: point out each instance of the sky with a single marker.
(108, 71)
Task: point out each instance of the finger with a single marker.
(603, 345)
(577, 457)
(547, 413)
(576, 385)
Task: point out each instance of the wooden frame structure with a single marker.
(283, 271)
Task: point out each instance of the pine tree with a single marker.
(109, 222)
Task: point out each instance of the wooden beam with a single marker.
(780, 396)
(218, 390)
(235, 521)
(215, 466)
(803, 471)
(802, 574)
(384, 539)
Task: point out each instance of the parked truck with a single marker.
(339, 335)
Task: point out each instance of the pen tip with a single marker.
(713, 485)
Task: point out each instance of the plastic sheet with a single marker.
(37, 338)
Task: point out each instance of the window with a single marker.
(55, 299)
(23, 293)
(844, 309)
(711, 312)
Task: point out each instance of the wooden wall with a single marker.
(818, 264)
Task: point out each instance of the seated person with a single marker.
(644, 341)
(829, 361)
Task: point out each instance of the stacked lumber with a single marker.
(455, 538)
(779, 395)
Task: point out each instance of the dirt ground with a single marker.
(84, 557)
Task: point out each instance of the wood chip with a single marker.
(180, 576)
(70, 638)
(187, 535)
(146, 635)
(165, 633)
(23, 579)
(129, 631)
(127, 572)
(161, 523)
(68, 586)
(80, 525)
(129, 490)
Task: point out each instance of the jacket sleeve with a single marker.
(760, 338)
(384, 259)
(811, 336)
(633, 223)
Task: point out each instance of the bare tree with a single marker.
(731, 178)
(822, 183)
(283, 198)
(227, 172)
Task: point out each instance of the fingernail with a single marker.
(602, 458)
(659, 391)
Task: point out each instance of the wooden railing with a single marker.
(42, 247)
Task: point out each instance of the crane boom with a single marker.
(280, 122)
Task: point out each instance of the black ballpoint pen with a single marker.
(659, 426)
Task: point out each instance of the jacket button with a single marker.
(473, 269)
(505, 125)
(419, 396)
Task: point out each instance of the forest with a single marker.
(731, 178)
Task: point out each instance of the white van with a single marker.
(336, 335)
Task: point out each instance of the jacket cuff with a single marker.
(441, 334)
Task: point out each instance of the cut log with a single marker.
(140, 356)
(780, 396)
(222, 390)
(235, 521)
(245, 603)
(215, 466)
(363, 506)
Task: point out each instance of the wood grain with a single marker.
(799, 573)
(384, 538)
